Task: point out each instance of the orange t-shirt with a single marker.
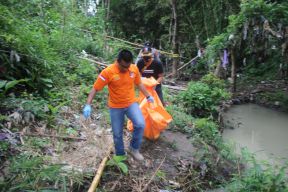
(120, 85)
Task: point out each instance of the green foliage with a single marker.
(212, 165)
(207, 130)
(260, 49)
(181, 121)
(259, 177)
(6, 85)
(4, 148)
(37, 106)
(37, 143)
(202, 99)
(3, 117)
(42, 41)
(200, 66)
(212, 81)
(272, 97)
(142, 14)
(30, 173)
(193, 20)
(117, 160)
(161, 175)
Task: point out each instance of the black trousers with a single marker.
(158, 89)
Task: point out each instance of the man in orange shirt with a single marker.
(121, 77)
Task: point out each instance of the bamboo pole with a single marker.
(184, 65)
(187, 63)
(118, 39)
(100, 170)
(139, 45)
(135, 44)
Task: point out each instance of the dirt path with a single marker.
(174, 147)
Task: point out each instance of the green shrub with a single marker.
(200, 99)
(181, 121)
(259, 177)
(212, 81)
(47, 47)
(38, 106)
(118, 161)
(207, 130)
(30, 173)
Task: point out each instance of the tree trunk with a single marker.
(233, 70)
(204, 19)
(175, 45)
(170, 31)
(108, 10)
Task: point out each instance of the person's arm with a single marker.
(160, 77)
(149, 97)
(160, 72)
(101, 81)
(143, 90)
(87, 108)
(91, 96)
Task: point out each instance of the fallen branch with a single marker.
(267, 27)
(93, 61)
(184, 65)
(175, 87)
(53, 136)
(100, 169)
(187, 63)
(139, 45)
(154, 174)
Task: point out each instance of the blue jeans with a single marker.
(117, 116)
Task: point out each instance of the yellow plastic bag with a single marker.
(155, 116)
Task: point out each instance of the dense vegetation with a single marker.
(42, 46)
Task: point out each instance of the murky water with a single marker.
(263, 131)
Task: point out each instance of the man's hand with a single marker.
(150, 99)
(87, 111)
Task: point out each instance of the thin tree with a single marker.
(175, 45)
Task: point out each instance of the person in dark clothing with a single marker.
(150, 67)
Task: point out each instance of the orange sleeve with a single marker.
(137, 77)
(102, 80)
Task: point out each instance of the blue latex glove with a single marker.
(87, 111)
(150, 99)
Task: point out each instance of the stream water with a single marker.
(263, 131)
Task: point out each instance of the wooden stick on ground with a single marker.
(56, 136)
(146, 186)
(100, 169)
